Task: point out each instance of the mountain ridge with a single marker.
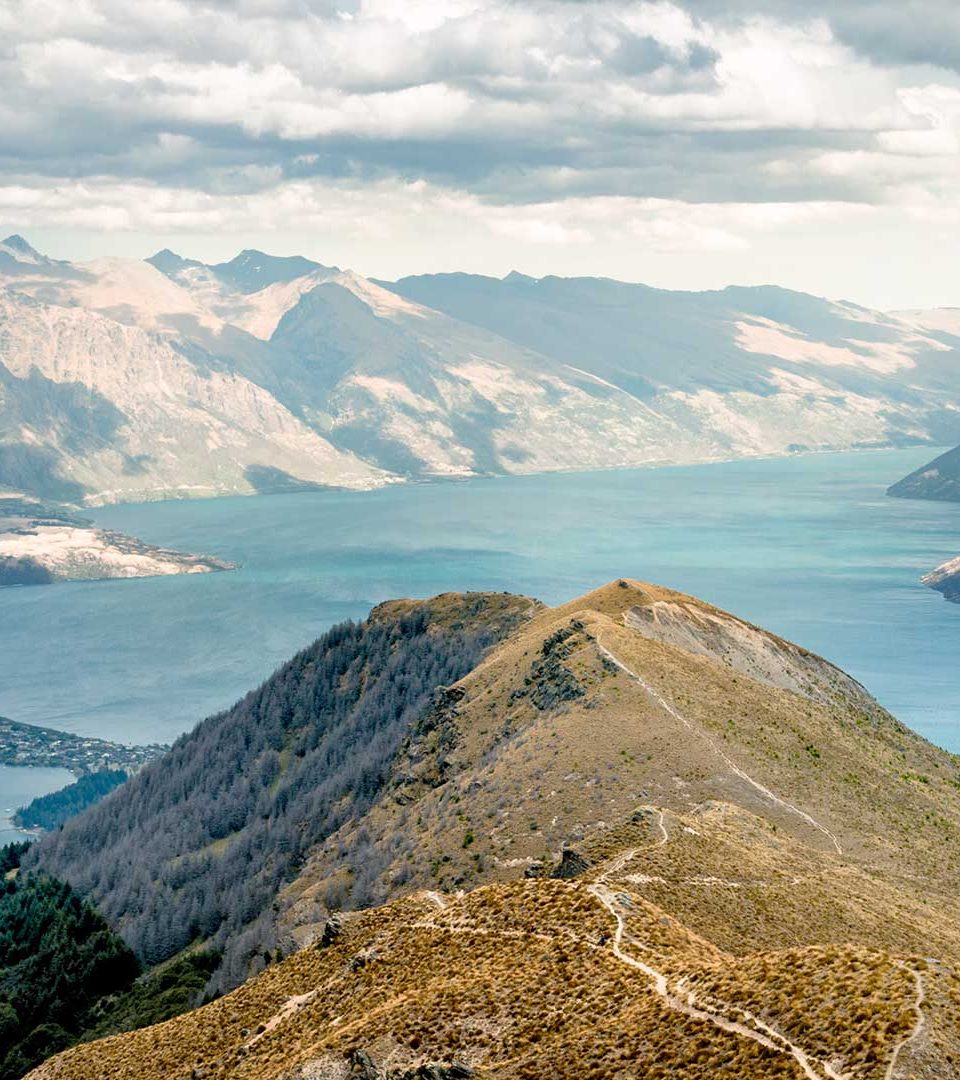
(293, 369)
(724, 836)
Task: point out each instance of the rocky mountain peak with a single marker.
(169, 262)
(16, 246)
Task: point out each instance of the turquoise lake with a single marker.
(808, 547)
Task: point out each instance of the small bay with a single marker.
(18, 786)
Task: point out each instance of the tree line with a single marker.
(51, 811)
(195, 847)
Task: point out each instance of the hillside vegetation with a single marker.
(639, 837)
(57, 957)
(66, 978)
(196, 846)
(51, 811)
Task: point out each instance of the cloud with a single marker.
(915, 32)
(387, 208)
(536, 120)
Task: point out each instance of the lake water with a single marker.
(809, 547)
(18, 786)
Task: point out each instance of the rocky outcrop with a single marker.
(426, 751)
(572, 864)
(702, 630)
(550, 682)
(946, 579)
(332, 929)
(362, 1066)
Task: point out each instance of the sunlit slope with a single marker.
(553, 978)
(126, 380)
(640, 838)
(637, 694)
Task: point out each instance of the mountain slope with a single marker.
(552, 735)
(755, 370)
(689, 848)
(209, 833)
(938, 480)
(284, 371)
(97, 410)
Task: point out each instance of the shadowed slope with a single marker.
(940, 479)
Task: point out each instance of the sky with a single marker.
(692, 144)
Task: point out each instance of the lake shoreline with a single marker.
(808, 546)
(20, 785)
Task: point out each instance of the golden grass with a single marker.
(738, 900)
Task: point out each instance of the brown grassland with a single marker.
(756, 875)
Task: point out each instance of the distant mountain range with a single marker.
(631, 835)
(128, 380)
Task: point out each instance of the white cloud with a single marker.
(671, 126)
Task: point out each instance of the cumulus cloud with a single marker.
(538, 120)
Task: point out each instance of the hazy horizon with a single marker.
(225, 252)
(685, 145)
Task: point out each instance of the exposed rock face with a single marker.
(938, 480)
(427, 750)
(551, 682)
(946, 579)
(758, 654)
(438, 1072)
(361, 1065)
(572, 864)
(332, 929)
